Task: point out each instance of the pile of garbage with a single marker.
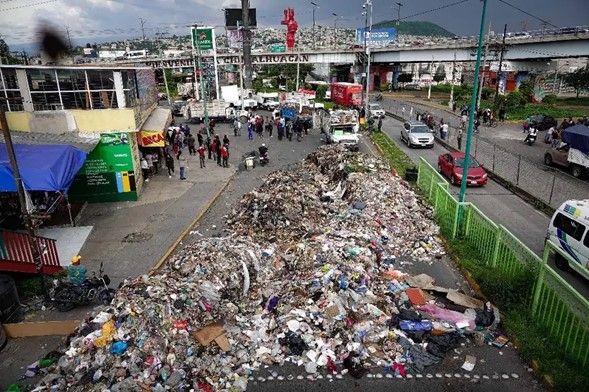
(310, 274)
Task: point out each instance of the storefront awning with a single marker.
(84, 142)
(43, 167)
(152, 132)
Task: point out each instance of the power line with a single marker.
(529, 14)
(434, 9)
(27, 5)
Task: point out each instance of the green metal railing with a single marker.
(554, 303)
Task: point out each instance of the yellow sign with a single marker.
(151, 139)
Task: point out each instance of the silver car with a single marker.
(417, 134)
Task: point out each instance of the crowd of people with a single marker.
(180, 143)
(554, 134)
(285, 127)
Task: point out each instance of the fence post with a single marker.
(431, 186)
(540, 279)
(519, 162)
(455, 223)
(496, 248)
(419, 167)
(552, 189)
(437, 195)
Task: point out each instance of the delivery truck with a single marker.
(573, 152)
(346, 94)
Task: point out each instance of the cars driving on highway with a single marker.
(450, 165)
(417, 134)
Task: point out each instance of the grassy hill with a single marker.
(415, 28)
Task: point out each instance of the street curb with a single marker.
(186, 231)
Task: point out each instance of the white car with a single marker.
(376, 110)
(417, 134)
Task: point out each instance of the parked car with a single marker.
(417, 134)
(541, 122)
(376, 110)
(412, 86)
(450, 165)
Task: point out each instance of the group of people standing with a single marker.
(285, 127)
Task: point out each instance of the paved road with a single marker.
(503, 150)
(499, 204)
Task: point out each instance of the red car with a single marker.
(450, 165)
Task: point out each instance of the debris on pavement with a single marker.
(309, 273)
(469, 363)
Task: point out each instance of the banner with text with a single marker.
(203, 38)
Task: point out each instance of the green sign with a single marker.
(108, 174)
(202, 37)
(278, 48)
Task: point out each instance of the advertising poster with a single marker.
(202, 37)
(109, 173)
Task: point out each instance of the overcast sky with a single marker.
(97, 20)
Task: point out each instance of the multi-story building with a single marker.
(107, 106)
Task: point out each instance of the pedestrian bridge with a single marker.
(533, 48)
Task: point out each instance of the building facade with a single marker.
(109, 105)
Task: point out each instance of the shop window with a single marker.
(104, 99)
(101, 80)
(42, 80)
(76, 100)
(9, 79)
(46, 101)
(71, 80)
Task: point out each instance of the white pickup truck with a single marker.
(217, 109)
(343, 129)
(376, 111)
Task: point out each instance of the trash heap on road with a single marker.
(310, 274)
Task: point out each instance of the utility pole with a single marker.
(28, 220)
(334, 29)
(247, 48)
(500, 65)
(69, 39)
(315, 6)
(431, 73)
(451, 101)
(482, 81)
(142, 21)
(399, 5)
(368, 3)
(365, 60)
(473, 102)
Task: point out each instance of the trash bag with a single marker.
(354, 365)
(296, 345)
(440, 345)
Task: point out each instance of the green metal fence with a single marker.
(561, 309)
(554, 303)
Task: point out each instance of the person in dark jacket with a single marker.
(190, 141)
(218, 145)
(170, 165)
(209, 147)
(199, 138)
(226, 140)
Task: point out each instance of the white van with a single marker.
(569, 231)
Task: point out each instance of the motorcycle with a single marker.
(67, 295)
(264, 159)
(531, 138)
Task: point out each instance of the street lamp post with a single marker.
(367, 4)
(315, 6)
(473, 103)
(202, 90)
(334, 28)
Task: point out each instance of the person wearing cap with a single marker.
(76, 273)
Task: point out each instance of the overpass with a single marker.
(523, 49)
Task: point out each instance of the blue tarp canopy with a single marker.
(577, 137)
(43, 167)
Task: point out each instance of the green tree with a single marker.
(405, 78)
(526, 88)
(5, 56)
(440, 74)
(579, 80)
(320, 93)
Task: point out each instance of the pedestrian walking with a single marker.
(182, 165)
(379, 126)
(445, 130)
(155, 159)
(201, 155)
(289, 131)
(225, 155)
(209, 147)
(170, 165)
(190, 141)
(226, 141)
(199, 138)
(269, 126)
(459, 138)
(145, 169)
(214, 148)
(219, 147)
(250, 132)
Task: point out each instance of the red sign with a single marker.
(151, 139)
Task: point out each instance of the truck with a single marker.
(346, 94)
(572, 152)
(267, 101)
(343, 128)
(217, 109)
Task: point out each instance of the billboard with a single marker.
(203, 38)
(233, 18)
(235, 39)
(376, 37)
